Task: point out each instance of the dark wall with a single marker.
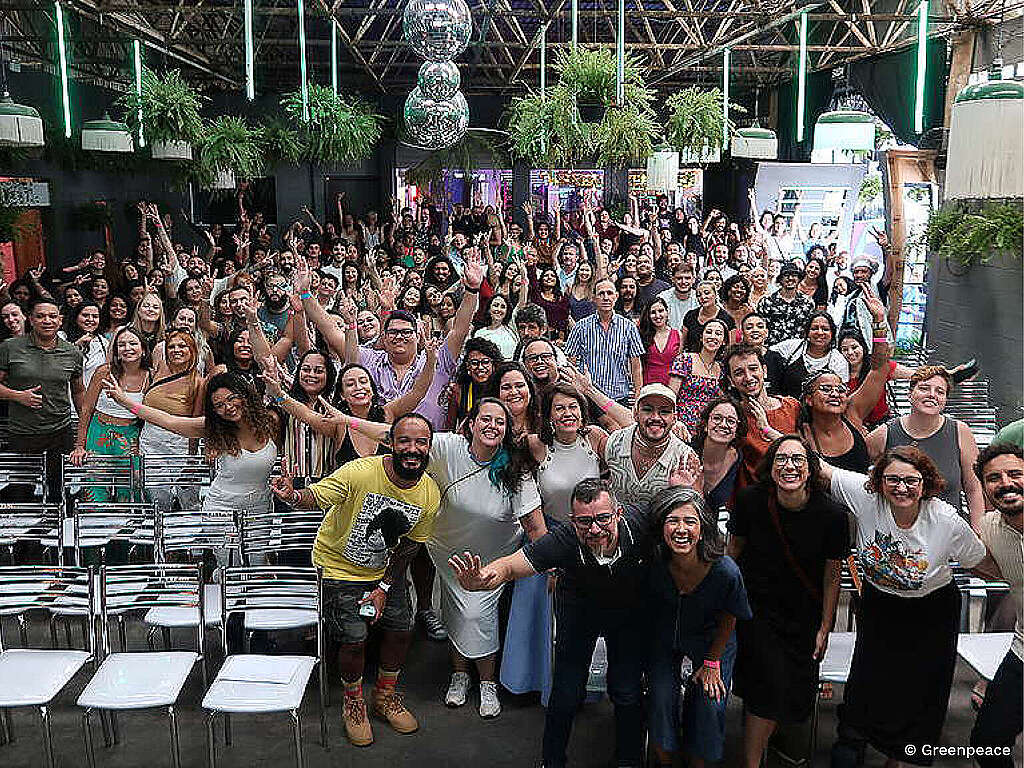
(978, 314)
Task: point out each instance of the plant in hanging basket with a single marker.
(627, 134)
(590, 74)
(282, 143)
(464, 155)
(229, 146)
(340, 130)
(531, 137)
(694, 126)
(967, 233)
(170, 113)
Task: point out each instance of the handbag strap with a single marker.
(773, 509)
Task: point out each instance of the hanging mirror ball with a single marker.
(438, 80)
(438, 30)
(435, 124)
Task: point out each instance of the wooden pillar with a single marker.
(959, 68)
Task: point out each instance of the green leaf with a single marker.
(340, 130)
(170, 107)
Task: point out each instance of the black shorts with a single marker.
(341, 610)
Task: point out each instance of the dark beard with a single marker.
(277, 304)
(397, 463)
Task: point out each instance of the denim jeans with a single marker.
(578, 626)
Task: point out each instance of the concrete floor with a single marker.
(455, 738)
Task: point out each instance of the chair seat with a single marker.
(278, 618)
(173, 616)
(31, 677)
(835, 667)
(138, 680)
(246, 683)
(984, 651)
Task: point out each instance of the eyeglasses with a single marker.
(583, 522)
(797, 459)
(481, 362)
(540, 357)
(729, 421)
(831, 389)
(911, 481)
(400, 333)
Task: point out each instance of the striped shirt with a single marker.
(606, 354)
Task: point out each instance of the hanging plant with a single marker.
(590, 75)
(967, 234)
(460, 156)
(694, 126)
(228, 147)
(281, 141)
(340, 130)
(170, 113)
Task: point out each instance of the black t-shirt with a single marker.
(695, 328)
(616, 586)
(814, 534)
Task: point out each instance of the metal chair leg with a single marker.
(122, 633)
(53, 631)
(323, 710)
(67, 631)
(90, 753)
(7, 726)
(85, 631)
(23, 630)
(172, 722)
(166, 631)
(4, 734)
(297, 729)
(227, 729)
(105, 723)
(44, 716)
(114, 728)
(211, 741)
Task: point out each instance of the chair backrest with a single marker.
(113, 476)
(264, 531)
(127, 588)
(96, 524)
(24, 469)
(37, 587)
(272, 588)
(180, 530)
(42, 523)
(176, 471)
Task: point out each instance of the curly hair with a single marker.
(925, 372)
(932, 484)
(481, 346)
(764, 469)
(222, 435)
(493, 389)
(710, 546)
(993, 451)
(519, 461)
(547, 431)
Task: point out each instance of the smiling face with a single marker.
(658, 314)
(739, 292)
(118, 309)
(755, 330)
(177, 352)
(1002, 480)
(479, 366)
(655, 416)
(746, 373)
(828, 394)
(548, 279)
(313, 374)
(713, 337)
(88, 319)
(410, 298)
(227, 404)
(498, 309)
(584, 272)
(488, 428)
(128, 348)
(410, 449)
(812, 272)
(242, 348)
(681, 531)
(540, 360)
(605, 296)
(100, 290)
(706, 295)
(723, 421)
(758, 277)
(356, 388)
(627, 288)
(852, 350)
(597, 523)
(14, 319)
(45, 319)
(928, 397)
(367, 326)
(514, 392)
(790, 470)
(902, 485)
(566, 417)
(149, 308)
(819, 334)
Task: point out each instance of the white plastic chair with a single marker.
(256, 683)
(835, 668)
(25, 470)
(984, 651)
(32, 677)
(142, 680)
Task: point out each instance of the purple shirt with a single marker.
(390, 388)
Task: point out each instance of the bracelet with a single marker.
(470, 290)
(766, 434)
(713, 664)
(305, 295)
(384, 587)
(134, 408)
(295, 498)
(880, 340)
(351, 327)
(279, 399)
(606, 406)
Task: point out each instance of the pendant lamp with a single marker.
(756, 143)
(106, 135)
(20, 125)
(985, 157)
(663, 170)
(842, 131)
(707, 154)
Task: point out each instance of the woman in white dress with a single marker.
(488, 499)
(239, 434)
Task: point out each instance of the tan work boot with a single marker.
(357, 725)
(387, 704)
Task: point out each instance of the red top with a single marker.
(755, 446)
(656, 363)
(880, 412)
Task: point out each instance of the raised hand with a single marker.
(113, 390)
(270, 376)
(876, 308)
(300, 278)
(347, 308)
(282, 486)
(880, 237)
(687, 472)
(474, 273)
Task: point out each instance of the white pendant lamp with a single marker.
(705, 155)
(985, 157)
(171, 150)
(756, 143)
(106, 135)
(844, 130)
(20, 125)
(663, 170)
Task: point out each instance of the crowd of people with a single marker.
(667, 433)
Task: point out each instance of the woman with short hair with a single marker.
(909, 614)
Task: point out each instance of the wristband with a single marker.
(296, 496)
(470, 290)
(279, 399)
(305, 295)
(766, 434)
(134, 408)
(351, 327)
(713, 664)
(880, 340)
(606, 406)
(384, 587)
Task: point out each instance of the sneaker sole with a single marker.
(356, 743)
(395, 728)
(491, 717)
(454, 704)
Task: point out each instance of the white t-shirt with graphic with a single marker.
(911, 562)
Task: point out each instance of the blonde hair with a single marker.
(161, 322)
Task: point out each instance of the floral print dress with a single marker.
(695, 392)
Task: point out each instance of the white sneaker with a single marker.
(458, 689)
(489, 704)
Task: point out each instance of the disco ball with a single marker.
(433, 124)
(438, 30)
(438, 80)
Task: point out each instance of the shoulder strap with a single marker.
(773, 509)
(452, 484)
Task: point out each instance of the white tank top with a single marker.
(109, 407)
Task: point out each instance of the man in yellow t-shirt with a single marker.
(379, 509)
